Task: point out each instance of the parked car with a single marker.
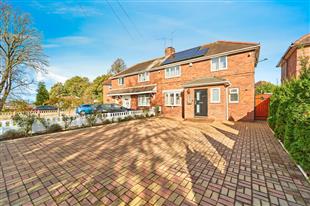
(110, 108)
(45, 108)
(85, 109)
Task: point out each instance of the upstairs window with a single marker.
(215, 95)
(143, 77)
(219, 63)
(233, 95)
(121, 81)
(144, 100)
(173, 98)
(173, 72)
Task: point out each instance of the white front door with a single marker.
(126, 101)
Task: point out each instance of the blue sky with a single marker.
(84, 37)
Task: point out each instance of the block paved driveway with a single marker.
(152, 162)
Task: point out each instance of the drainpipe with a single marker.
(227, 96)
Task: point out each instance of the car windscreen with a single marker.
(86, 105)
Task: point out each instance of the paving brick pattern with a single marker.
(152, 162)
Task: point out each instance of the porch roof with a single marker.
(206, 81)
(147, 89)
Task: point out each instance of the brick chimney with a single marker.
(169, 51)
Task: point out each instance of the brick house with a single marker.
(215, 80)
(289, 62)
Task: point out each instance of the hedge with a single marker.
(289, 117)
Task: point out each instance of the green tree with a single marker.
(76, 86)
(20, 105)
(117, 66)
(57, 90)
(97, 86)
(263, 87)
(42, 94)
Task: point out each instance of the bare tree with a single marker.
(117, 66)
(20, 52)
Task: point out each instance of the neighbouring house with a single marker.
(215, 80)
(107, 85)
(289, 62)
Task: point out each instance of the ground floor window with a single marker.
(144, 100)
(215, 95)
(233, 95)
(173, 98)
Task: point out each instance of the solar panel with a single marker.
(186, 54)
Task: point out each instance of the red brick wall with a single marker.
(240, 73)
(106, 98)
(293, 67)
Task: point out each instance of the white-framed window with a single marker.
(173, 72)
(121, 81)
(215, 95)
(144, 100)
(173, 98)
(219, 63)
(233, 95)
(144, 77)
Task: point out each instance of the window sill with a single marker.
(219, 70)
(172, 77)
(233, 102)
(215, 102)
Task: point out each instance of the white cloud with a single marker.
(75, 10)
(67, 41)
(51, 76)
(72, 40)
(72, 9)
(47, 46)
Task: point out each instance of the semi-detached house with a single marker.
(215, 80)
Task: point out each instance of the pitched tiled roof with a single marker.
(214, 48)
(140, 67)
(107, 82)
(133, 90)
(205, 81)
(226, 46)
(303, 41)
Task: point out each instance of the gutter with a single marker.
(206, 84)
(132, 93)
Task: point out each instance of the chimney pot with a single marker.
(169, 51)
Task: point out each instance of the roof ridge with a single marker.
(136, 65)
(237, 42)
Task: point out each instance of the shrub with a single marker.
(67, 120)
(157, 110)
(91, 119)
(54, 128)
(25, 121)
(289, 116)
(106, 121)
(139, 116)
(13, 134)
(44, 122)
